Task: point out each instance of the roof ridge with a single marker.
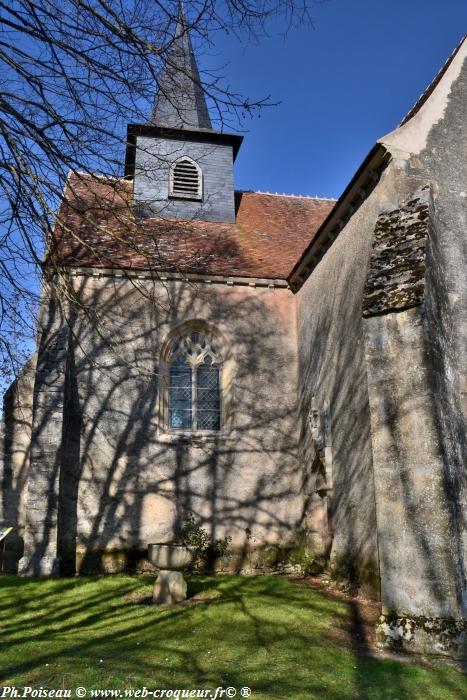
(99, 176)
(431, 87)
(285, 194)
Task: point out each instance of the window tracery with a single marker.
(194, 387)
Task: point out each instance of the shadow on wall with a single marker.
(332, 373)
(449, 415)
(447, 404)
(445, 305)
(17, 424)
(123, 481)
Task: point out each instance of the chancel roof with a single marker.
(96, 227)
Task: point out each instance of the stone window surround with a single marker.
(165, 432)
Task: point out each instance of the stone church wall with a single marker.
(444, 160)
(416, 391)
(126, 481)
(14, 462)
(333, 379)
(413, 511)
(344, 438)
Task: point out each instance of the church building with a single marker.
(288, 371)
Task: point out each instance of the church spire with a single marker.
(180, 101)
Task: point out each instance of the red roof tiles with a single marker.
(97, 228)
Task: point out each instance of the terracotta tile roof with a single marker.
(96, 228)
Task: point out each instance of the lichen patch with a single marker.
(396, 276)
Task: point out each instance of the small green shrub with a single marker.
(208, 550)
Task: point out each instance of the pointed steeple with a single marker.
(180, 101)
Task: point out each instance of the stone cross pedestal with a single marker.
(172, 560)
(169, 588)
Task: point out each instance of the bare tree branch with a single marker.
(73, 73)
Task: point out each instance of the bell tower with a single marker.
(182, 169)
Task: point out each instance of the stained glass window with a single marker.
(180, 394)
(194, 393)
(207, 397)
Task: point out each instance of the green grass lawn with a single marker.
(278, 637)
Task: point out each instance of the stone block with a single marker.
(421, 635)
(169, 588)
(39, 566)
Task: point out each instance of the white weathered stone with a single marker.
(170, 588)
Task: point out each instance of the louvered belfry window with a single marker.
(186, 179)
(194, 396)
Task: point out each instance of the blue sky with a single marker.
(342, 85)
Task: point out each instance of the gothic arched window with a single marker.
(194, 383)
(186, 179)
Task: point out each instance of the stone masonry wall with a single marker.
(415, 547)
(396, 273)
(332, 375)
(14, 463)
(444, 159)
(418, 404)
(45, 455)
(126, 481)
(419, 557)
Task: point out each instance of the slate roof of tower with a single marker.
(180, 100)
(96, 228)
